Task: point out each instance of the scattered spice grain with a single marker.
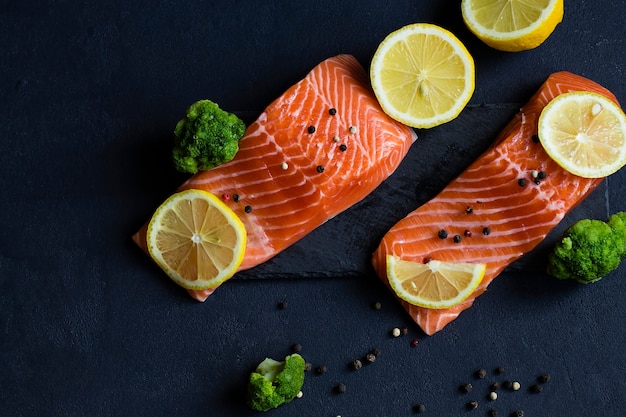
(544, 378)
(535, 138)
(469, 210)
(457, 239)
(296, 347)
(442, 234)
(466, 388)
(282, 304)
(332, 111)
(517, 413)
(499, 370)
(375, 352)
(321, 369)
(340, 388)
(541, 175)
(480, 374)
(494, 386)
(356, 364)
(311, 129)
(472, 405)
(414, 342)
(343, 147)
(353, 129)
(486, 231)
(236, 198)
(515, 386)
(467, 233)
(536, 388)
(419, 408)
(370, 358)
(493, 396)
(308, 366)
(492, 412)
(320, 168)
(377, 305)
(247, 209)
(521, 182)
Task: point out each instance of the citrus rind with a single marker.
(182, 254)
(585, 133)
(422, 75)
(481, 16)
(436, 284)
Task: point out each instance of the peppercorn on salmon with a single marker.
(498, 209)
(317, 150)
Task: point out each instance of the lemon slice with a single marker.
(196, 239)
(512, 25)
(422, 75)
(435, 284)
(585, 133)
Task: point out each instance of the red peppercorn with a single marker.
(467, 233)
(225, 196)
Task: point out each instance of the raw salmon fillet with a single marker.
(317, 150)
(488, 194)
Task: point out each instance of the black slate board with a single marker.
(89, 94)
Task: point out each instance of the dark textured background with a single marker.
(89, 95)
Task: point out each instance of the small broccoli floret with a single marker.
(589, 249)
(275, 383)
(207, 137)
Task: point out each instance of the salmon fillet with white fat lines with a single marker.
(505, 210)
(317, 150)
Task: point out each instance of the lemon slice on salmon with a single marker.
(512, 25)
(436, 284)
(422, 75)
(585, 133)
(196, 239)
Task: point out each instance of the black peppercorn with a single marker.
(535, 138)
(320, 168)
(521, 182)
(343, 147)
(247, 209)
(442, 234)
(322, 369)
(457, 238)
(499, 370)
(419, 408)
(296, 347)
(340, 388)
(282, 305)
(536, 388)
(517, 413)
(466, 388)
(544, 378)
(332, 111)
(236, 198)
(486, 231)
(356, 364)
(311, 129)
(481, 373)
(472, 405)
(493, 413)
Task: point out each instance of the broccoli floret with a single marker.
(275, 383)
(207, 137)
(589, 249)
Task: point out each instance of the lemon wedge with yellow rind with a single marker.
(512, 25)
(436, 284)
(196, 239)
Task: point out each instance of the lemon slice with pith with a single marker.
(422, 75)
(435, 284)
(585, 133)
(196, 239)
